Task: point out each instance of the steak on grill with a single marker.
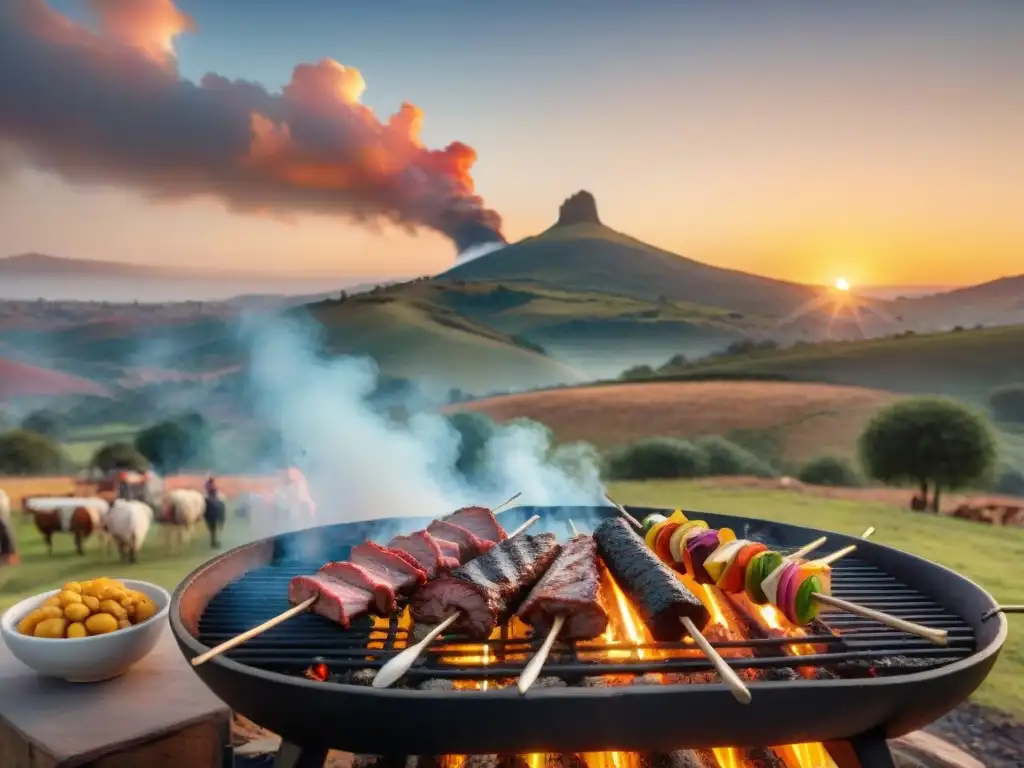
(487, 590)
(661, 598)
(422, 547)
(336, 601)
(570, 588)
(383, 591)
(479, 521)
(391, 566)
(470, 545)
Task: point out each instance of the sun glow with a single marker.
(842, 284)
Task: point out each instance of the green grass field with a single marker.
(989, 556)
(39, 572)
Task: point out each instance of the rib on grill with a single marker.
(390, 565)
(479, 521)
(487, 590)
(470, 545)
(337, 601)
(571, 588)
(654, 588)
(383, 590)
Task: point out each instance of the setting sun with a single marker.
(842, 284)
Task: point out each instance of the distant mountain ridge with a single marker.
(40, 264)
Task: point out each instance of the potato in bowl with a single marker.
(87, 631)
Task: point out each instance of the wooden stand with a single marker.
(158, 715)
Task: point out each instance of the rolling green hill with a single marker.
(966, 364)
(418, 339)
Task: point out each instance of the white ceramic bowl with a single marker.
(86, 659)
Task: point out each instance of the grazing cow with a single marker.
(79, 516)
(8, 544)
(183, 508)
(128, 522)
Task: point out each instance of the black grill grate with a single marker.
(289, 648)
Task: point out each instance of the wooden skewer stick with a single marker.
(807, 548)
(506, 502)
(867, 533)
(572, 527)
(622, 511)
(532, 670)
(732, 681)
(227, 645)
(937, 636)
(397, 666)
(839, 553)
(295, 610)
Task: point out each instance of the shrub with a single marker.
(727, 458)
(637, 372)
(29, 453)
(830, 470)
(119, 456)
(658, 458)
(934, 442)
(1007, 403)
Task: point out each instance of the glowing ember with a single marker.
(318, 671)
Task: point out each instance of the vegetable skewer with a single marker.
(798, 588)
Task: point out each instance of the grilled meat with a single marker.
(391, 566)
(487, 590)
(479, 521)
(449, 552)
(571, 588)
(661, 598)
(470, 545)
(337, 601)
(383, 591)
(423, 548)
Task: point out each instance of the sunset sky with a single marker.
(879, 141)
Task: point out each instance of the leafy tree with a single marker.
(934, 442)
(658, 458)
(44, 423)
(119, 456)
(830, 470)
(1007, 403)
(29, 453)
(174, 444)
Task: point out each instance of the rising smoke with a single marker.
(360, 465)
(107, 105)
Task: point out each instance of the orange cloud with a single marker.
(108, 106)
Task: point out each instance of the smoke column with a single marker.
(105, 104)
(362, 466)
